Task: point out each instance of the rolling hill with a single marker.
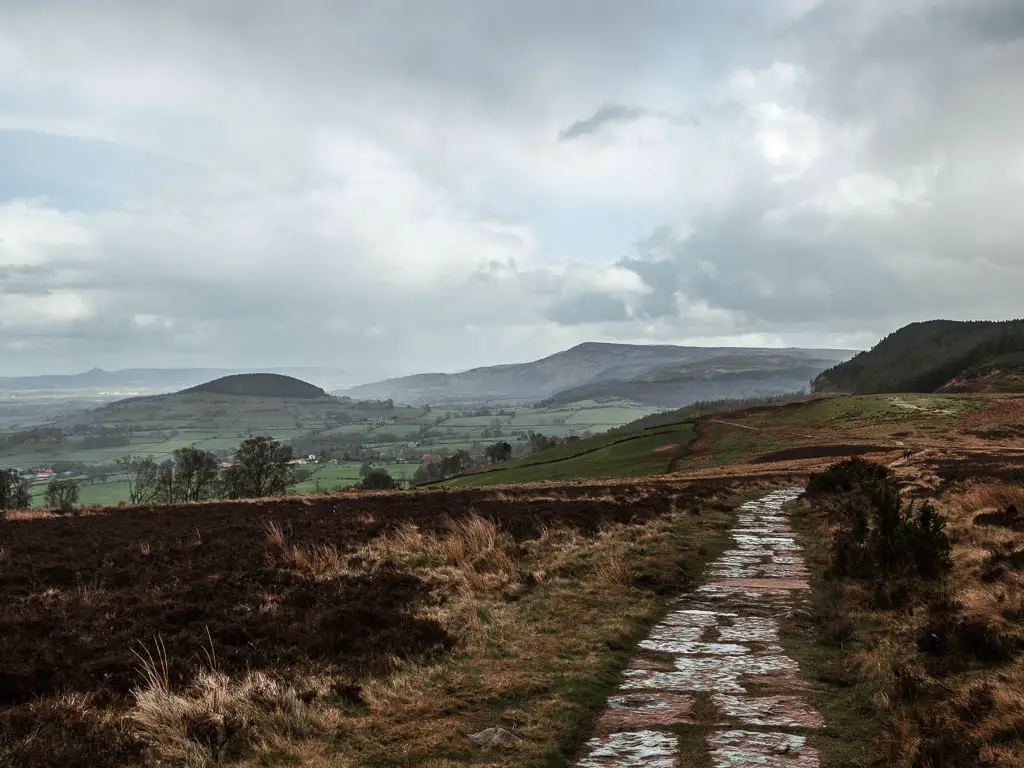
(649, 452)
(979, 432)
(259, 385)
(946, 355)
(236, 403)
(586, 364)
(725, 376)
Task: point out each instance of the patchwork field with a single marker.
(218, 424)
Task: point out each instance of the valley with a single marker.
(570, 601)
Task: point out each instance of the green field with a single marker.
(394, 437)
(621, 455)
(326, 477)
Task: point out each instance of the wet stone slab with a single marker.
(750, 629)
(644, 711)
(721, 640)
(692, 648)
(632, 749)
(752, 749)
(780, 711)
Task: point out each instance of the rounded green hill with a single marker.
(258, 385)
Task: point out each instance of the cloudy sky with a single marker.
(392, 186)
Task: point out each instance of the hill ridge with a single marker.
(586, 363)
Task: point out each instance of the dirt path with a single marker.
(712, 686)
(786, 434)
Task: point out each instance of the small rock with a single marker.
(782, 749)
(494, 737)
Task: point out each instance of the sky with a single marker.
(399, 186)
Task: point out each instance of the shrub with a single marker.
(378, 480)
(848, 475)
(877, 536)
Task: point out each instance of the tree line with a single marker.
(261, 467)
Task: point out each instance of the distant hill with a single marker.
(945, 355)
(149, 380)
(234, 405)
(259, 385)
(727, 376)
(585, 364)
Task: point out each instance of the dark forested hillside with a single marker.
(923, 357)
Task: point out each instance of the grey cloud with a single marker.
(260, 252)
(587, 307)
(663, 277)
(615, 113)
(938, 87)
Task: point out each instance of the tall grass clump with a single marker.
(216, 718)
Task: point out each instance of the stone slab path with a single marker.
(714, 668)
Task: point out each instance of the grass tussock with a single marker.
(216, 719)
(316, 560)
(614, 570)
(67, 730)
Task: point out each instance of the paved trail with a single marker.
(714, 668)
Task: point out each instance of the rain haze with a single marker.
(393, 187)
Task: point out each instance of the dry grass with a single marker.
(947, 674)
(318, 561)
(526, 615)
(216, 719)
(614, 570)
(541, 625)
(979, 496)
(28, 514)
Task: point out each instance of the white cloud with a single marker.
(56, 309)
(615, 281)
(31, 233)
